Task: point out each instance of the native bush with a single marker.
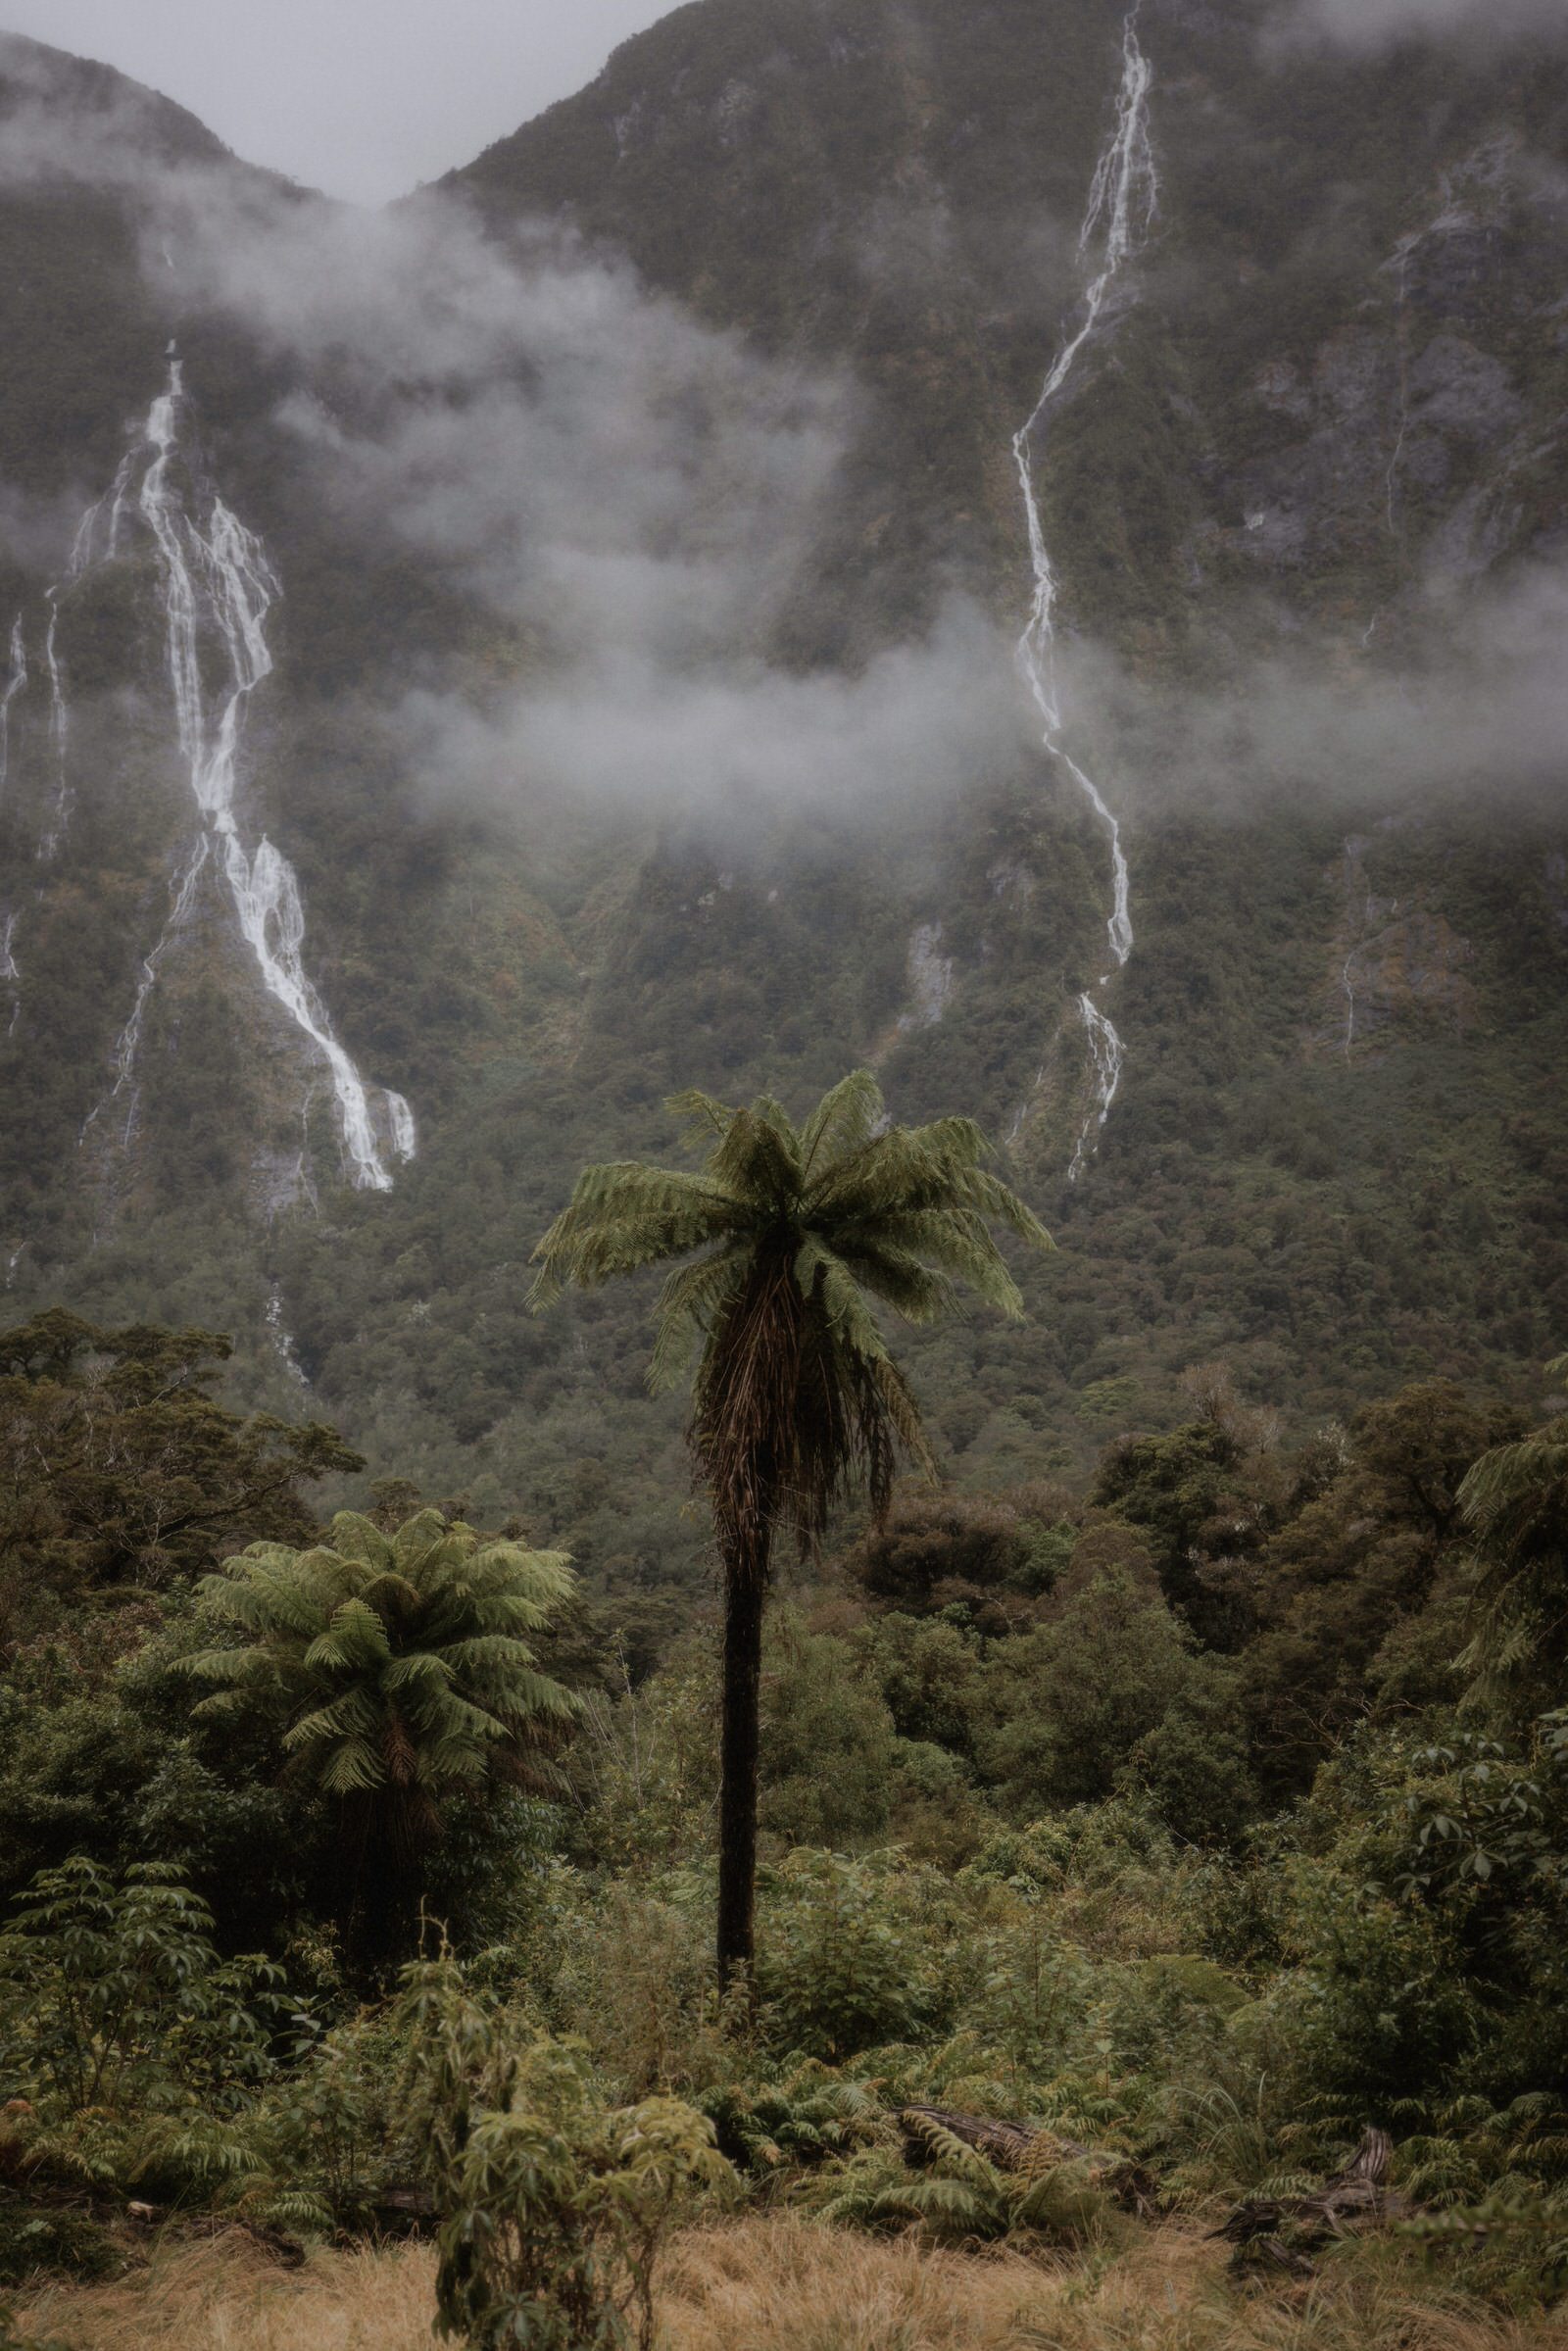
(845, 1965)
(556, 2205)
(959, 2197)
(113, 1997)
(399, 1673)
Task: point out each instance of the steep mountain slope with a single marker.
(1300, 495)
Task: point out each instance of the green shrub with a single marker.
(960, 2197)
(556, 2205)
(840, 1969)
(111, 1996)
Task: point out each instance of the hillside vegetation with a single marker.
(549, 650)
(1335, 1152)
(1191, 1824)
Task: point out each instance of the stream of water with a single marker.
(1122, 199)
(216, 588)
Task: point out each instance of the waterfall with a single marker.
(1122, 199)
(129, 1042)
(1106, 1054)
(283, 1339)
(215, 580)
(14, 685)
(58, 726)
(7, 970)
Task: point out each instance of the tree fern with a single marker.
(398, 1670)
(789, 1239)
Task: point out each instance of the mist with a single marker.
(1469, 700)
(636, 499)
(633, 497)
(636, 495)
(1372, 24)
(738, 748)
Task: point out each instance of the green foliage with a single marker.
(648, 1764)
(826, 1744)
(794, 2117)
(938, 1551)
(118, 1466)
(98, 1755)
(398, 1670)
(68, 2242)
(1114, 1683)
(556, 2206)
(789, 1234)
(339, 2123)
(399, 1660)
(795, 1391)
(961, 2197)
(1515, 1501)
(841, 1971)
(115, 1998)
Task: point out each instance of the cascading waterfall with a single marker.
(16, 683)
(59, 727)
(216, 579)
(7, 970)
(1106, 1054)
(85, 549)
(1400, 265)
(1122, 199)
(283, 1339)
(129, 1042)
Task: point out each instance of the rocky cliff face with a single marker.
(1300, 494)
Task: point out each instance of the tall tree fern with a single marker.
(399, 1669)
(787, 1237)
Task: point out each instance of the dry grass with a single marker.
(226, 2294)
(783, 2284)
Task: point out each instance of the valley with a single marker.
(1013, 550)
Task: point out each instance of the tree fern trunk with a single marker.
(745, 1595)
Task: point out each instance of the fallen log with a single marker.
(1283, 2231)
(1025, 2149)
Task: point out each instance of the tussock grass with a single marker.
(784, 2284)
(227, 2294)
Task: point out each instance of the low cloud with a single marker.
(637, 498)
(638, 494)
(739, 744)
(1374, 24)
(1471, 699)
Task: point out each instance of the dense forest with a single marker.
(1197, 1817)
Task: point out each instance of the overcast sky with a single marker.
(360, 97)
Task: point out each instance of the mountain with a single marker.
(554, 645)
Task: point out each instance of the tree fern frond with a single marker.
(360, 1540)
(700, 1113)
(758, 1158)
(692, 1297)
(920, 1293)
(425, 1672)
(352, 1714)
(353, 1769)
(845, 1120)
(354, 1635)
